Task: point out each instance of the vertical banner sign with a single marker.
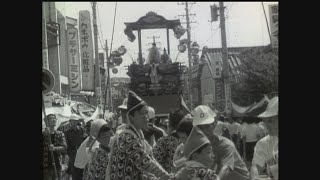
(74, 61)
(274, 24)
(86, 51)
(228, 104)
(103, 87)
(219, 95)
(45, 61)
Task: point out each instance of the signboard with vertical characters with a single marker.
(219, 95)
(274, 24)
(74, 61)
(103, 85)
(86, 46)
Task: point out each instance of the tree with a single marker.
(258, 75)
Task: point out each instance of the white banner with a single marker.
(45, 61)
(274, 24)
(86, 46)
(74, 61)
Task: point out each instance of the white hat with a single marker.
(272, 108)
(74, 117)
(96, 126)
(203, 115)
(151, 112)
(124, 104)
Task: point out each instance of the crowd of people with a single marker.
(200, 145)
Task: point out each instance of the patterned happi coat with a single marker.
(195, 171)
(57, 140)
(96, 169)
(130, 156)
(164, 151)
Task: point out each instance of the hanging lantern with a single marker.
(182, 48)
(205, 48)
(122, 50)
(114, 70)
(116, 58)
(130, 35)
(178, 31)
(195, 48)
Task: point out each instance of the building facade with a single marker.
(207, 78)
(54, 46)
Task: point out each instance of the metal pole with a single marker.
(168, 41)
(106, 86)
(140, 48)
(189, 56)
(266, 21)
(45, 60)
(97, 66)
(50, 142)
(225, 60)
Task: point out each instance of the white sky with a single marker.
(245, 25)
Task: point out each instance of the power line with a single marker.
(101, 42)
(229, 9)
(114, 22)
(215, 31)
(99, 20)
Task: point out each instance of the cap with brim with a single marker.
(272, 108)
(203, 115)
(195, 140)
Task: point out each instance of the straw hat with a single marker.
(195, 141)
(272, 108)
(203, 115)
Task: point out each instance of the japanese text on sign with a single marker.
(219, 95)
(74, 61)
(86, 46)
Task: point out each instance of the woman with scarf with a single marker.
(96, 168)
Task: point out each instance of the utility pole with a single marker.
(189, 50)
(225, 61)
(97, 64)
(189, 55)
(108, 85)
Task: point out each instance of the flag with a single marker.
(183, 106)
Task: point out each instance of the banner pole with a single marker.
(50, 142)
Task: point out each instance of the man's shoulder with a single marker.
(225, 142)
(264, 140)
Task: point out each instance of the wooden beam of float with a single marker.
(152, 21)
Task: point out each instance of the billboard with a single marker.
(274, 24)
(74, 61)
(86, 46)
